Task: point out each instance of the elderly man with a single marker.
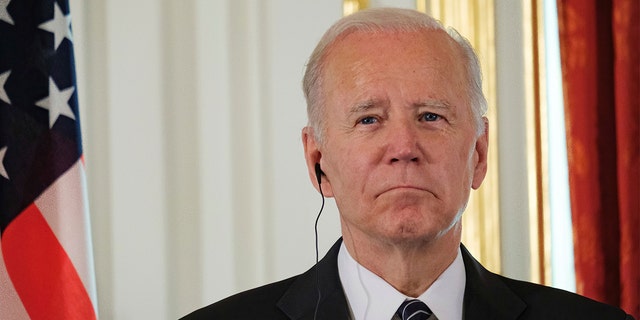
(397, 137)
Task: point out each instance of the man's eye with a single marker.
(368, 120)
(429, 117)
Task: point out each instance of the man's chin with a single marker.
(412, 235)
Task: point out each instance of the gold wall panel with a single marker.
(537, 146)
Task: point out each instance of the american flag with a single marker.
(46, 262)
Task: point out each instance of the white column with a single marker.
(514, 200)
(137, 158)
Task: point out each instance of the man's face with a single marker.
(400, 150)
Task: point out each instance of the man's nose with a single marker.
(403, 144)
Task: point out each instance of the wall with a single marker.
(192, 112)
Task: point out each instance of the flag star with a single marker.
(60, 25)
(3, 171)
(57, 103)
(4, 14)
(3, 79)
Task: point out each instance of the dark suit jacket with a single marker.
(487, 296)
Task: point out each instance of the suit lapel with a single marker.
(299, 301)
(486, 296)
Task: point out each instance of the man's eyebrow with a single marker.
(363, 106)
(433, 103)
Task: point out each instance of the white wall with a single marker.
(192, 112)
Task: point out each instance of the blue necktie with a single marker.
(413, 309)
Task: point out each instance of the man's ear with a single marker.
(481, 150)
(313, 157)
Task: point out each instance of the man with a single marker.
(397, 136)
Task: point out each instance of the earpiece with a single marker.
(319, 173)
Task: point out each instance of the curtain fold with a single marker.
(599, 45)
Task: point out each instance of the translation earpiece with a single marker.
(319, 173)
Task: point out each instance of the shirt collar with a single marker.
(371, 298)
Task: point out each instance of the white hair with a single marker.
(377, 20)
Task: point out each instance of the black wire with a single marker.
(315, 313)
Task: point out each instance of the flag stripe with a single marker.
(11, 307)
(41, 271)
(63, 205)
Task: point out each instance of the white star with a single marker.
(57, 103)
(60, 25)
(4, 14)
(3, 79)
(3, 171)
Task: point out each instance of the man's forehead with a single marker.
(427, 37)
(355, 51)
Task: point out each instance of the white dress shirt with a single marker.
(371, 298)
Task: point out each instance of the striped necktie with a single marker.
(413, 309)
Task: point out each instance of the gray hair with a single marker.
(377, 20)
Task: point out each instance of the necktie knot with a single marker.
(413, 309)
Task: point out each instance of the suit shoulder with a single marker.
(257, 303)
(551, 303)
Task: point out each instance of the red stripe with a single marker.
(41, 271)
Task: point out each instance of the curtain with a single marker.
(599, 44)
